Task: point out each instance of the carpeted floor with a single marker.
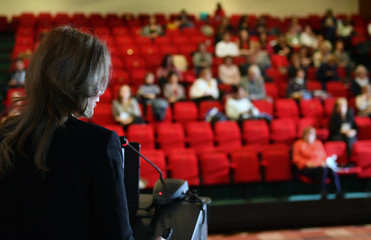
(339, 233)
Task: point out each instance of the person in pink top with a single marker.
(309, 157)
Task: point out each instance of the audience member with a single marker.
(259, 56)
(173, 90)
(296, 87)
(361, 80)
(239, 107)
(243, 42)
(15, 108)
(202, 58)
(328, 71)
(126, 108)
(308, 38)
(295, 64)
(261, 26)
(253, 83)
(167, 66)
(184, 20)
(244, 23)
(152, 30)
(293, 37)
(219, 13)
(222, 28)
(228, 72)
(345, 30)
(329, 26)
(320, 56)
(342, 126)
(282, 47)
(363, 102)
(309, 157)
(148, 91)
(205, 87)
(226, 47)
(18, 76)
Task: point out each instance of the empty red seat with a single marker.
(200, 135)
(206, 106)
(311, 108)
(135, 62)
(149, 50)
(119, 77)
(227, 135)
(214, 168)
(276, 162)
(276, 75)
(361, 156)
(107, 96)
(311, 74)
(314, 85)
(168, 49)
(286, 108)
(329, 106)
(364, 127)
(179, 39)
(170, 135)
(120, 31)
(162, 40)
(183, 164)
(143, 134)
(271, 90)
(264, 106)
(337, 89)
(137, 76)
(255, 132)
(246, 167)
(184, 112)
(103, 114)
(116, 128)
(338, 148)
(149, 173)
(283, 130)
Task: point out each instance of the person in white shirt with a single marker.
(361, 80)
(239, 107)
(308, 38)
(226, 47)
(205, 87)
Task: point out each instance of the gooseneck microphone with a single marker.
(125, 142)
(165, 190)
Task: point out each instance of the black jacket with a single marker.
(82, 196)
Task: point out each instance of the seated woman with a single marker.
(342, 126)
(173, 90)
(167, 65)
(296, 88)
(361, 79)
(309, 157)
(327, 72)
(152, 30)
(363, 102)
(205, 87)
(148, 91)
(126, 108)
(239, 107)
(228, 72)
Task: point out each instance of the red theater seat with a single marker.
(184, 112)
(170, 136)
(264, 106)
(311, 108)
(286, 108)
(245, 166)
(337, 89)
(271, 90)
(149, 173)
(276, 161)
(214, 168)
(338, 148)
(227, 135)
(361, 156)
(103, 114)
(116, 128)
(206, 106)
(283, 130)
(143, 134)
(183, 164)
(200, 135)
(364, 127)
(255, 132)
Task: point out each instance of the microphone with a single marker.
(125, 142)
(167, 190)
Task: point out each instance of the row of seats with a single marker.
(244, 165)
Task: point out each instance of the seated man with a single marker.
(309, 156)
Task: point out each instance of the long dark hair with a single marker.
(68, 69)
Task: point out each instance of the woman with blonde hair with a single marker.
(309, 157)
(62, 178)
(342, 125)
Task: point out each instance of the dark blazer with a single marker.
(82, 196)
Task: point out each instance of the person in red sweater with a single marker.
(309, 157)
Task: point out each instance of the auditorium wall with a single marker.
(274, 7)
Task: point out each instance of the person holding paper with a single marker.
(309, 157)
